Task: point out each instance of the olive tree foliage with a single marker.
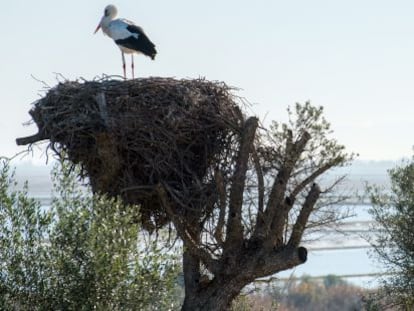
(394, 244)
(83, 252)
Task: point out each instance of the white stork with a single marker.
(129, 37)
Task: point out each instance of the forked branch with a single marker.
(301, 221)
(235, 228)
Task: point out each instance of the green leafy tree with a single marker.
(24, 232)
(84, 252)
(394, 244)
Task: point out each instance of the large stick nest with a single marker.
(128, 136)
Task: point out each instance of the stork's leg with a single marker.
(123, 64)
(132, 66)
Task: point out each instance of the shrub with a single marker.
(84, 252)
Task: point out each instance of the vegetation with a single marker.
(394, 246)
(84, 252)
(331, 294)
(328, 294)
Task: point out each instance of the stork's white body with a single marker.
(129, 37)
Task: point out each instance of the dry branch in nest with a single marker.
(129, 136)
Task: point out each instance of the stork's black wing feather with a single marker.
(141, 44)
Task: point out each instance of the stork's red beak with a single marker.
(97, 28)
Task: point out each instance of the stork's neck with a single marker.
(105, 21)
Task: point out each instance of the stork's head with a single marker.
(109, 14)
(110, 11)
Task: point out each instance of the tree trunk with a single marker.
(217, 295)
(202, 294)
(191, 270)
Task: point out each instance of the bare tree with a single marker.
(241, 209)
(265, 196)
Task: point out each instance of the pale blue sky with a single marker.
(355, 58)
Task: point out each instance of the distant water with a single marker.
(38, 177)
(330, 252)
(354, 265)
(360, 172)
